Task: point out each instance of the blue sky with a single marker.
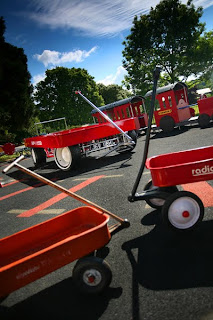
(77, 33)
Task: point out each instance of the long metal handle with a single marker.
(123, 222)
(146, 147)
(106, 117)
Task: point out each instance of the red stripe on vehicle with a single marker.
(203, 190)
(57, 198)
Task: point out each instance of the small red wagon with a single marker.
(77, 234)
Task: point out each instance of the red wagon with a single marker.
(77, 234)
(181, 210)
(69, 146)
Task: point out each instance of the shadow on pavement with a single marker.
(166, 260)
(87, 165)
(61, 301)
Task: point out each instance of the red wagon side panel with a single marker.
(181, 167)
(81, 135)
(206, 106)
(34, 252)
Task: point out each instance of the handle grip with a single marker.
(13, 164)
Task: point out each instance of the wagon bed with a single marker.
(81, 135)
(181, 167)
(36, 251)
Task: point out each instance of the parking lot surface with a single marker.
(157, 273)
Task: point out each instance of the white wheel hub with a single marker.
(184, 212)
(33, 155)
(92, 277)
(63, 157)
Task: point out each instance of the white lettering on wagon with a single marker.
(36, 143)
(27, 272)
(203, 171)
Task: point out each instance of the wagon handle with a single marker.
(14, 163)
(156, 75)
(123, 222)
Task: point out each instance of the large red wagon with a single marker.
(68, 146)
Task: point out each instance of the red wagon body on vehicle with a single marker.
(68, 146)
(172, 107)
(124, 109)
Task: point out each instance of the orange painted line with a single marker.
(57, 198)
(19, 191)
(203, 190)
(22, 190)
(12, 182)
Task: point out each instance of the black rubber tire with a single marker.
(133, 135)
(158, 203)
(73, 154)
(167, 124)
(38, 156)
(204, 120)
(95, 268)
(176, 214)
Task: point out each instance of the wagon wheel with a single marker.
(167, 124)
(66, 158)
(133, 135)
(91, 275)
(38, 156)
(204, 120)
(183, 211)
(157, 203)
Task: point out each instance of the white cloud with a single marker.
(114, 78)
(37, 78)
(49, 57)
(96, 18)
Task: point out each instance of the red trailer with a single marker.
(172, 108)
(68, 146)
(205, 106)
(124, 109)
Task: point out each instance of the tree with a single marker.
(16, 104)
(169, 36)
(113, 92)
(56, 96)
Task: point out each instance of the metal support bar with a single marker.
(106, 117)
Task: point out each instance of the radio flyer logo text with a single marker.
(202, 171)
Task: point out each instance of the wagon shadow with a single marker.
(86, 165)
(175, 132)
(61, 301)
(163, 260)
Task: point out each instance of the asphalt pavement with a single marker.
(157, 274)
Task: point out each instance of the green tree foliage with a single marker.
(56, 96)
(169, 36)
(113, 92)
(16, 104)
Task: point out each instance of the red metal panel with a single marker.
(34, 252)
(181, 167)
(206, 106)
(81, 135)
